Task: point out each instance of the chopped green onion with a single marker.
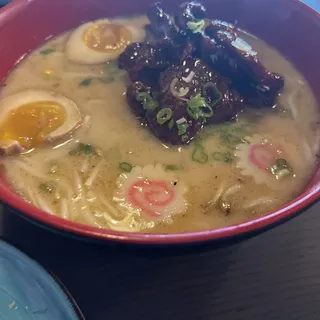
(282, 163)
(172, 167)
(199, 154)
(82, 148)
(198, 108)
(85, 82)
(47, 187)
(182, 128)
(164, 115)
(125, 166)
(207, 114)
(216, 93)
(87, 148)
(281, 169)
(226, 157)
(283, 173)
(193, 113)
(47, 51)
(197, 102)
(196, 27)
(171, 124)
(148, 102)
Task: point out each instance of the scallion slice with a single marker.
(217, 95)
(228, 157)
(85, 82)
(82, 148)
(149, 103)
(206, 112)
(164, 115)
(193, 113)
(171, 124)
(47, 51)
(281, 169)
(199, 154)
(125, 166)
(197, 102)
(182, 128)
(172, 167)
(197, 107)
(283, 173)
(225, 157)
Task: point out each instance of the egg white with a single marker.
(77, 51)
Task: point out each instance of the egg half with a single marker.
(32, 118)
(102, 40)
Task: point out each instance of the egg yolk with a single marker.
(30, 123)
(107, 37)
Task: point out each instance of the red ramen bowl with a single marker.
(287, 25)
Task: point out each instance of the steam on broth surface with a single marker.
(217, 179)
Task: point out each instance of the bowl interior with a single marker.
(287, 25)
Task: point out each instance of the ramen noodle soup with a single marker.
(91, 134)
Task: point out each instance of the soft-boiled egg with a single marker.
(102, 40)
(32, 118)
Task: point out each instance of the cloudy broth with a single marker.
(219, 191)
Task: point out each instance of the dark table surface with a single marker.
(275, 275)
